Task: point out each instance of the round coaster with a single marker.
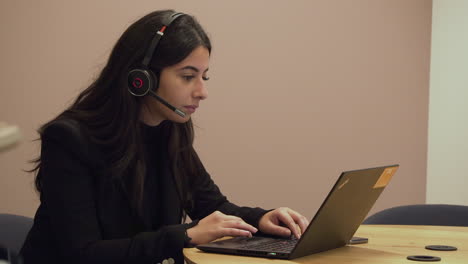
(441, 248)
(423, 258)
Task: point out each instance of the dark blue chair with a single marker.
(421, 214)
(13, 231)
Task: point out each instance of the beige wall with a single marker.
(299, 90)
(447, 169)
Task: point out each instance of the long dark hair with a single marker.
(112, 115)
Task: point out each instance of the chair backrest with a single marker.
(13, 230)
(422, 214)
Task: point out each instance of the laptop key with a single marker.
(274, 245)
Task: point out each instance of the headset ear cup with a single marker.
(155, 81)
(140, 82)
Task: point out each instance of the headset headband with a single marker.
(157, 38)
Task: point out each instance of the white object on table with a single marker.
(9, 135)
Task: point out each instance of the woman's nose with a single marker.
(200, 90)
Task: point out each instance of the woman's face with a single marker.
(182, 85)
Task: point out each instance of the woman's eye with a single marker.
(188, 77)
(191, 77)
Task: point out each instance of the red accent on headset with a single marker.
(162, 29)
(137, 83)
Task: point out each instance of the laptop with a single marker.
(333, 226)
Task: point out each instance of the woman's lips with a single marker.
(191, 108)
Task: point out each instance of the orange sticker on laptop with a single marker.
(385, 177)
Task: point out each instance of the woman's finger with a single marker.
(239, 224)
(235, 232)
(279, 230)
(299, 220)
(286, 219)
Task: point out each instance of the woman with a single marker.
(118, 172)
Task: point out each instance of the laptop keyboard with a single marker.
(280, 245)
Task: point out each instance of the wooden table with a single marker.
(387, 244)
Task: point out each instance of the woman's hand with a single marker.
(218, 225)
(282, 221)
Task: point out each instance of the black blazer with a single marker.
(85, 218)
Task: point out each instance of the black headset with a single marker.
(142, 81)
